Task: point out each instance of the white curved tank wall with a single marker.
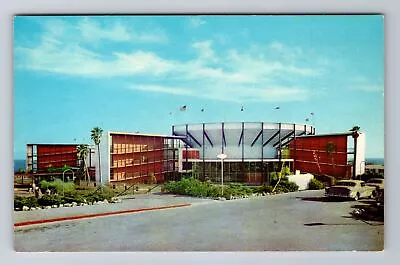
(250, 143)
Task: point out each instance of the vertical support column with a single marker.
(204, 150)
(242, 166)
(294, 148)
(355, 136)
(186, 148)
(280, 146)
(280, 143)
(262, 154)
(222, 138)
(173, 158)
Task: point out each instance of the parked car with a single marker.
(350, 189)
(380, 196)
(375, 182)
(378, 183)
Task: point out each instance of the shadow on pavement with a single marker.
(368, 211)
(321, 199)
(327, 224)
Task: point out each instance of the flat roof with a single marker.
(146, 134)
(56, 144)
(328, 134)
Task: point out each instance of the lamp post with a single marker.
(222, 157)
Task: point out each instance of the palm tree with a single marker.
(83, 152)
(96, 137)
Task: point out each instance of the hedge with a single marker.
(315, 184)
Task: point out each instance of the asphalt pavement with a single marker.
(294, 221)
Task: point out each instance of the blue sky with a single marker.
(126, 73)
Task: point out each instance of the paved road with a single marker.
(266, 223)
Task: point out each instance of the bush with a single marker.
(73, 198)
(315, 184)
(57, 186)
(19, 202)
(326, 179)
(265, 188)
(287, 186)
(49, 200)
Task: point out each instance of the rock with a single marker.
(38, 208)
(48, 207)
(25, 208)
(32, 208)
(61, 205)
(74, 204)
(105, 201)
(67, 205)
(54, 206)
(81, 204)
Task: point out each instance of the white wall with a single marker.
(360, 156)
(301, 180)
(105, 159)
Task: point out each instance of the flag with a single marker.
(312, 113)
(307, 119)
(170, 113)
(277, 107)
(241, 109)
(202, 110)
(183, 108)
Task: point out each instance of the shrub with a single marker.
(48, 200)
(73, 198)
(326, 179)
(265, 188)
(19, 202)
(287, 186)
(315, 184)
(57, 185)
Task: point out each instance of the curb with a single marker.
(60, 219)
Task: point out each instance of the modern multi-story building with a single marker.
(135, 157)
(41, 158)
(253, 150)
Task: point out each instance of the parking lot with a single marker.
(294, 221)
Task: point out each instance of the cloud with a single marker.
(204, 49)
(362, 83)
(90, 30)
(229, 75)
(162, 89)
(196, 22)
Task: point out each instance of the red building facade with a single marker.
(41, 157)
(322, 155)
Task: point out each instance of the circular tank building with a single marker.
(252, 149)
